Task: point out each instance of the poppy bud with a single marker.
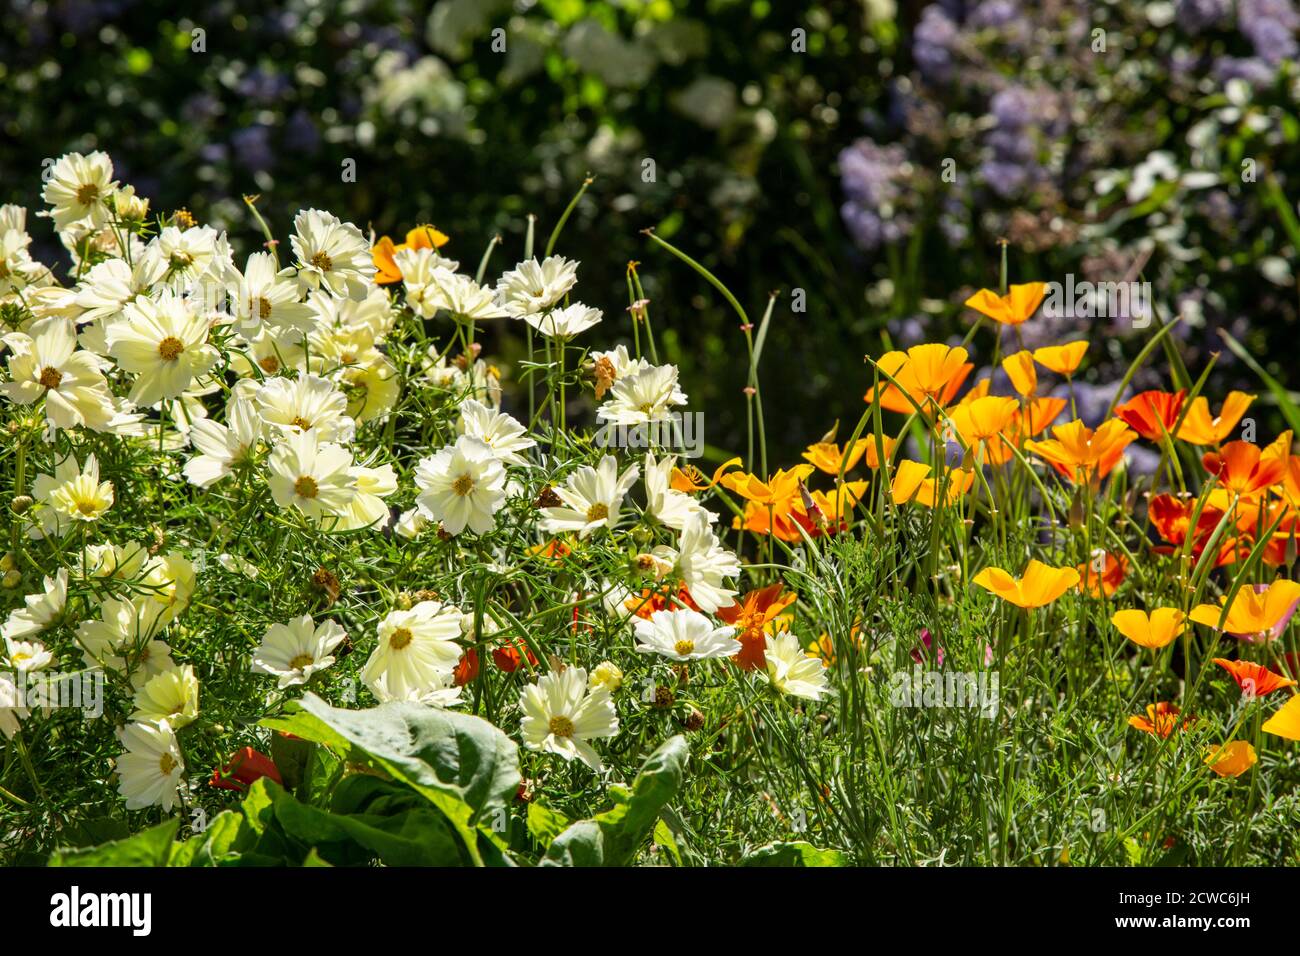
(245, 768)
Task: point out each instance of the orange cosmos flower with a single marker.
(1062, 359)
(1252, 612)
(1201, 428)
(1157, 630)
(1041, 584)
(1106, 579)
(1020, 369)
(1020, 302)
(1082, 454)
(383, 251)
(754, 616)
(913, 482)
(1244, 469)
(1285, 721)
(829, 457)
(1161, 720)
(1153, 414)
(1255, 680)
(1232, 759)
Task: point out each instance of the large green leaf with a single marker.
(147, 848)
(799, 853)
(461, 764)
(613, 837)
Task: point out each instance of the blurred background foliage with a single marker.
(781, 159)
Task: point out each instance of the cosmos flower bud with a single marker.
(20, 504)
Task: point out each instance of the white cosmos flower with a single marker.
(41, 610)
(503, 434)
(171, 696)
(791, 670)
(684, 635)
(123, 639)
(462, 485)
(11, 709)
(561, 715)
(670, 506)
(642, 397)
(439, 690)
(168, 584)
(622, 362)
(370, 319)
(271, 350)
(373, 386)
(312, 476)
(190, 255)
(45, 362)
(83, 497)
(164, 343)
(268, 297)
(565, 323)
(78, 188)
(533, 287)
(423, 274)
(122, 562)
(108, 286)
(331, 254)
(464, 298)
(222, 446)
(150, 770)
(703, 564)
(293, 652)
(593, 498)
(416, 649)
(28, 656)
(291, 406)
(368, 509)
(410, 523)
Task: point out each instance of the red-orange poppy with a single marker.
(754, 616)
(1153, 414)
(1255, 680)
(1161, 720)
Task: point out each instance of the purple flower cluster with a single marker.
(879, 194)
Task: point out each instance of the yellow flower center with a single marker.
(301, 423)
(170, 348)
(598, 512)
(18, 658)
(463, 485)
(270, 365)
(322, 262)
(301, 661)
(684, 647)
(87, 507)
(166, 763)
(263, 309)
(400, 639)
(181, 260)
(306, 487)
(561, 726)
(87, 194)
(51, 377)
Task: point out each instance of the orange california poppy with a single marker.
(1103, 574)
(829, 457)
(754, 616)
(1041, 584)
(983, 420)
(1201, 428)
(1285, 721)
(1153, 414)
(689, 479)
(777, 491)
(1082, 454)
(1020, 369)
(913, 482)
(1232, 759)
(1157, 630)
(910, 393)
(1255, 680)
(1062, 359)
(1161, 720)
(1020, 302)
(1244, 469)
(1252, 612)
